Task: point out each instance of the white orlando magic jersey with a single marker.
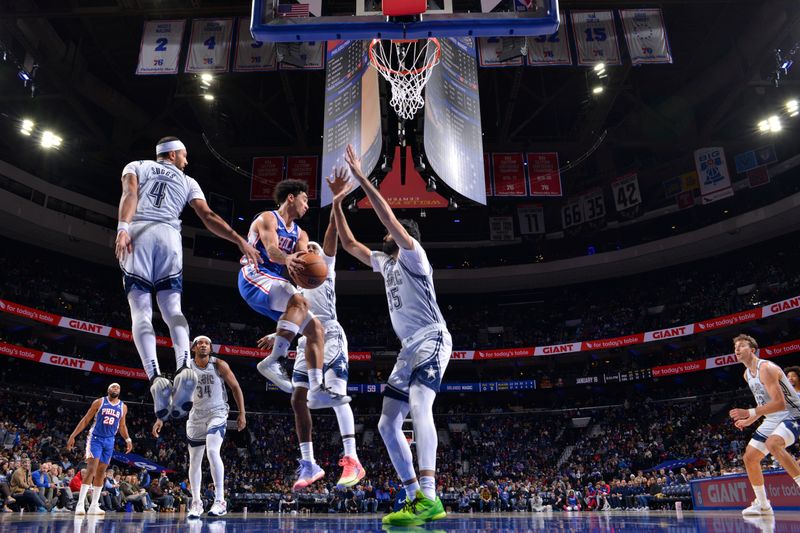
(210, 393)
(762, 396)
(164, 191)
(409, 290)
(322, 299)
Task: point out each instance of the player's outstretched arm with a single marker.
(340, 186)
(87, 418)
(379, 204)
(227, 374)
(123, 430)
(127, 208)
(220, 228)
(329, 243)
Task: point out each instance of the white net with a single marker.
(407, 66)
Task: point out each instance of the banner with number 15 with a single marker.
(161, 47)
(210, 45)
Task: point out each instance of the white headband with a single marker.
(109, 387)
(315, 244)
(169, 146)
(197, 339)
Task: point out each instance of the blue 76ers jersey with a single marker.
(287, 242)
(106, 422)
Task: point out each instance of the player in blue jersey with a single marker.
(108, 414)
(266, 289)
(150, 253)
(426, 345)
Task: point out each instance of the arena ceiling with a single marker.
(655, 116)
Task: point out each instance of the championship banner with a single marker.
(209, 45)
(500, 52)
(572, 213)
(508, 174)
(267, 172)
(595, 37)
(593, 205)
(544, 174)
(712, 171)
(252, 55)
(626, 191)
(757, 177)
(301, 56)
(550, 50)
(646, 36)
(304, 168)
(161, 47)
(531, 219)
(689, 181)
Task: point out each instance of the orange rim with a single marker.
(414, 71)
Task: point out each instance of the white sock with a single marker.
(411, 490)
(144, 336)
(213, 446)
(280, 348)
(82, 496)
(169, 302)
(390, 427)
(428, 487)
(797, 480)
(350, 447)
(314, 377)
(761, 495)
(196, 470)
(421, 400)
(347, 426)
(307, 451)
(96, 496)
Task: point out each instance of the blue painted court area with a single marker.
(678, 522)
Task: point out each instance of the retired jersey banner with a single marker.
(210, 45)
(626, 192)
(302, 56)
(712, 172)
(509, 174)
(161, 47)
(646, 36)
(595, 37)
(544, 174)
(252, 55)
(549, 50)
(593, 205)
(304, 168)
(531, 219)
(572, 213)
(267, 172)
(500, 52)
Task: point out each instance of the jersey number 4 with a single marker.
(157, 193)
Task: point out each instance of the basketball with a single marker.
(313, 273)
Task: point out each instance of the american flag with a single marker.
(293, 10)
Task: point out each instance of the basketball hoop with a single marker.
(407, 66)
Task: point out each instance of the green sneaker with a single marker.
(416, 512)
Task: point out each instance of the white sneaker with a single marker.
(219, 508)
(196, 509)
(161, 389)
(322, 397)
(80, 510)
(756, 510)
(272, 370)
(182, 391)
(95, 510)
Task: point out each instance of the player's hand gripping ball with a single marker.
(312, 273)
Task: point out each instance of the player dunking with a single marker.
(109, 415)
(205, 428)
(779, 404)
(279, 241)
(426, 345)
(150, 253)
(322, 302)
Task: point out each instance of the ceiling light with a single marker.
(597, 90)
(50, 140)
(791, 105)
(208, 97)
(774, 123)
(763, 126)
(206, 78)
(600, 66)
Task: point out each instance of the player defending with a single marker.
(150, 253)
(108, 414)
(322, 302)
(779, 404)
(426, 345)
(205, 428)
(280, 241)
